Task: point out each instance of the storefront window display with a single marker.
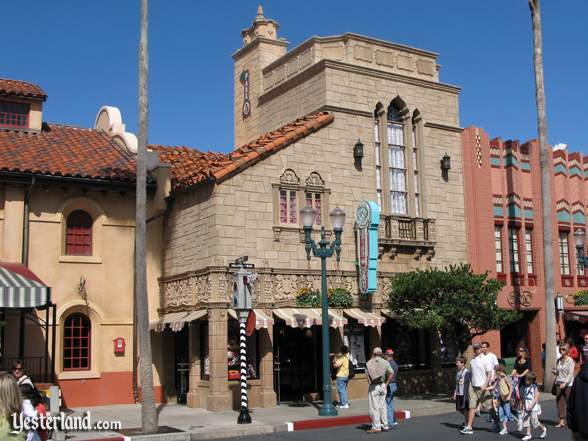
(233, 361)
(356, 337)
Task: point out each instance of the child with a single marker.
(462, 386)
(29, 402)
(501, 390)
(531, 407)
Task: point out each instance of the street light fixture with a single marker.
(324, 250)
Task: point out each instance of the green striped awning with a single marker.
(21, 288)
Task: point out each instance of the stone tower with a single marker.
(261, 46)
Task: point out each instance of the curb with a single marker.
(294, 426)
(338, 421)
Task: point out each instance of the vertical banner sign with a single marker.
(367, 220)
(246, 104)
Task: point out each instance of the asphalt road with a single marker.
(436, 428)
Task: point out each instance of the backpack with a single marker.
(352, 369)
(503, 388)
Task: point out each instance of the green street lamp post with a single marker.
(324, 250)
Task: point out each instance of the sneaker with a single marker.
(543, 432)
(503, 432)
(372, 430)
(526, 437)
(385, 429)
(393, 425)
(343, 406)
(466, 431)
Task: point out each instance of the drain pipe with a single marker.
(25, 223)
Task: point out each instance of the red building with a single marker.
(505, 234)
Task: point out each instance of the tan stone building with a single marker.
(298, 116)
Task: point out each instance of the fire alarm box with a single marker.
(119, 345)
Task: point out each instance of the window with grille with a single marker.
(378, 163)
(76, 343)
(498, 247)
(288, 207)
(397, 166)
(78, 238)
(14, 114)
(314, 200)
(529, 250)
(513, 249)
(579, 266)
(564, 254)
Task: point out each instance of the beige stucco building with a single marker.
(298, 116)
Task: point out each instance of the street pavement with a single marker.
(426, 428)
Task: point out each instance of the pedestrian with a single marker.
(480, 376)
(379, 375)
(532, 408)
(462, 385)
(341, 365)
(29, 403)
(577, 412)
(392, 388)
(522, 366)
(501, 391)
(585, 348)
(564, 371)
(20, 375)
(490, 356)
(10, 403)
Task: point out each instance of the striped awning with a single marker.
(21, 288)
(364, 317)
(295, 318)
(307, 317)
(176, 320)
(579, 316)
(261, 318)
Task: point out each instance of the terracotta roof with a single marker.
(65, 151)
(21, 88)
(190, 166)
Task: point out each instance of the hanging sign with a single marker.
(246, 104)
(367, 220)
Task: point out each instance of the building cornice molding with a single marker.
(245, 49)
(437, 126)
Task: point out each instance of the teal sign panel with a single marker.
(367, 221)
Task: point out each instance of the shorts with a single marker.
(531, 419)
(478, 397)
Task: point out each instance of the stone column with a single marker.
(219, 397)
(266, 368)
(193, 398)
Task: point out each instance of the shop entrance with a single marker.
(516, 334)
(297, 363)
(182, 365)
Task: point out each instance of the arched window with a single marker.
(76, 343)
(416, 141)
(78, 237)
(397, 157)
(378, 146)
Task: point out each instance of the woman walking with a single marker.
(522, 366)
(564, 370)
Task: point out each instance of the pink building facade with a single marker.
(502, 182)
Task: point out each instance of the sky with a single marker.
(84, 55)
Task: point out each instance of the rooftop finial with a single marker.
(259, 13)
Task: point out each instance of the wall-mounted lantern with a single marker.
(559, 303)
(358, 150)
(446, 163)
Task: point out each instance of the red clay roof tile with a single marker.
(21, 88)
(60, 150)
(190, 166)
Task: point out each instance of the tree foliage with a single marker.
(453, 299)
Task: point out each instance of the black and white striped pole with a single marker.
(244, 417)
(242, 304)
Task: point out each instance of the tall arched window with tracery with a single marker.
(397, 159)
(378, 154)
(76, 343)
(416, 142)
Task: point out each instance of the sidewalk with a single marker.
(202, 424)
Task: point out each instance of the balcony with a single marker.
(408, 235)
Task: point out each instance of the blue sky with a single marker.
(83, 54)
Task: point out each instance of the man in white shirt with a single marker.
(481, 374)
(485, 346)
